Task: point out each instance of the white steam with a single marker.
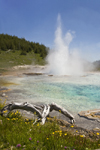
(60, 60)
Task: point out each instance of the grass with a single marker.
(19, 133)
(12, 58)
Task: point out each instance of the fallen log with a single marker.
(42, 111)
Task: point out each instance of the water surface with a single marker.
(73, 93)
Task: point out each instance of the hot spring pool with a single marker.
(76, 93)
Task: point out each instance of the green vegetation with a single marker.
(10, 59)
(15, 51)
(18, 133)
(96, 65)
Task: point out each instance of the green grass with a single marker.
(12, 58)
(16, 131)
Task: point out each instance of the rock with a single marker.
(90, 114)
(2, 89)
(96, 129)
(3, 95)
(98, 113)
(31, 74)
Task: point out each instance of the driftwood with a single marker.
(42, 111)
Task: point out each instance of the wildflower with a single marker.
(37, 141)
(5, 111)
(60, 111)
(76, 131)
(47, 138)
(97, 133)
(71, 126)
(65, 134)
(53, 133)
(65, 147)
(17, 111)
(81, 135)
(18, 145)
(35, 113)
(30, 139)
(38, 124)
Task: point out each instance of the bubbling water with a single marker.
(60, 60)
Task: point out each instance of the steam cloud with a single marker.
(60, 60)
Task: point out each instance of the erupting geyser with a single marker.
(60, 60)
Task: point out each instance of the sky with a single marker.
(36, 20)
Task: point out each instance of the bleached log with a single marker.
(62, 110)
(24, 106)
(45, 113)
(42, 111)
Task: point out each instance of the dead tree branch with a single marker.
(42, 111)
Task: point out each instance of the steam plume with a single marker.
(60, 60)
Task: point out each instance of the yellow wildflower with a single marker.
(97, 133)
(5, 111)
(60, 111)
(38, 124)
(47, 138)
(53, 133)
(17, 111)
(35, 113)
(72, 126)
(76, 131)
(81, 135)
(65, 134)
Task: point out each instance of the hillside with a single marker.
(18, 51)
(97, 65)
(14, 43)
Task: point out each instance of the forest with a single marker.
(9, 42)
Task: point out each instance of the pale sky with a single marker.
(36, 20)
